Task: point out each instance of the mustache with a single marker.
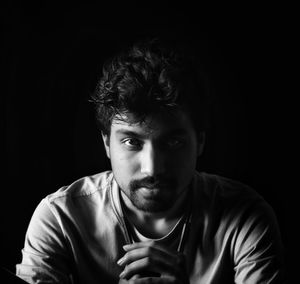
(151, 183)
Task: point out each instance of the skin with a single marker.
(148, 256)
(153, 163)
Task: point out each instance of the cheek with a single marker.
(184, 162)
(122, 172)
(185, 169)
(123, 165)
(188, 155)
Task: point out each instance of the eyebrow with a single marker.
(129, 133)
(173, 132)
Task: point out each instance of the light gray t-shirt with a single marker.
(76, 234)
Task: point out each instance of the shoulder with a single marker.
(216, 186)
(75, 202)
(83, 187)
(235, 203)
(236, 216)
(231, 200)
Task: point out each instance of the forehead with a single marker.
(155, 124)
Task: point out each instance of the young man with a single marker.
(153, 218)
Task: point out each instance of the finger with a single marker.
(137, 245)
(147, 267)
(129, 281)
(156, 280)
(148, 251)
(168, 259)
(133, 256)
(147, 248)
(141, 266)
(136, 276)
(151, 267)
(151, 259)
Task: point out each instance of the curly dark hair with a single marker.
(148, 78)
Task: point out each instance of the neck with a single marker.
(158, 223)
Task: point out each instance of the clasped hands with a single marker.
(148, 262)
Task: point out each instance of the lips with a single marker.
(151, 186)
(152, 189)
(151, 192)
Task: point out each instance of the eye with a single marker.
(132, 143)
(174, 143)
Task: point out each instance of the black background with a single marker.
(52, 53)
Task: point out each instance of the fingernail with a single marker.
(120, 261)
(122, 275)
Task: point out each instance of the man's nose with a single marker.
(152, 161)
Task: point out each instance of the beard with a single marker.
(152, 195)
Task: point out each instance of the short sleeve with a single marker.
(45, 252)
(258, 250)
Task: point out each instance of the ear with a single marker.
(105, 138)
(200, 142)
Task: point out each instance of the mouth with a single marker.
(156, 185)
(152, 192)
(151, 189)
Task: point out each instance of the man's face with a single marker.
(153, 162)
